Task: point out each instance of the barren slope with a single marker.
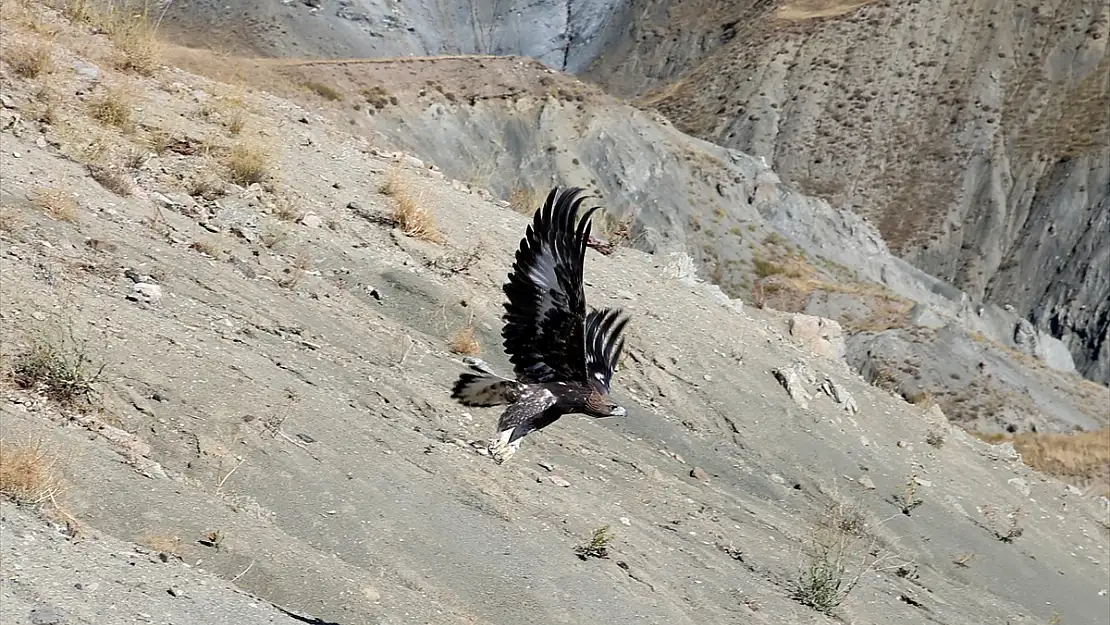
(973, 134)
(513, 126)
(275, 398)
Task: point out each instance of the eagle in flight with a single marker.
(563, 358)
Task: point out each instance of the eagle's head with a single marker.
(600, 404)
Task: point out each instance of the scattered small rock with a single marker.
(145, 292)
(699, 473)
(311, 220)
(558, 481)
(1020, 485)
(792, 379)
(866, 483)
(45, 615)
(840, 395)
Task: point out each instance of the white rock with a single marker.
(311, 220)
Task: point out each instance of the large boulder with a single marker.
(822, 336)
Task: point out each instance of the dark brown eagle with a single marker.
(563, 358)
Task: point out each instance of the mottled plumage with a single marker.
(563, 358)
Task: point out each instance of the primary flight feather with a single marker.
(563, 357)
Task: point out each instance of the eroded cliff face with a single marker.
(973, 134)
(564, 34)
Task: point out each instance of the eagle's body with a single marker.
(563, 358)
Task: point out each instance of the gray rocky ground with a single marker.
(274, 406)
(974, 134)
(52, 578)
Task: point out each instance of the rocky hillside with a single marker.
(513, 126)
(973, 134)
(229, 329)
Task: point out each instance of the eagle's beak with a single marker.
(619, 411)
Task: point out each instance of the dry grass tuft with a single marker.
(464, 342)
(111, 179)
(274, 235)
(414, 219)
(526, 200)
(56, 203)
(409, 214)
(28, 473)
(10, 221)
(1082, 458)
(114, 108)
(617, 231)
(136, 41)
(292, 276)
(30, 60)
(391, 182)
(324, 91)
(162, 543)
(236, 121)
(248, 163)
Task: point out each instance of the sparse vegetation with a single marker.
(113, 108)
(28, 473)
(597, 546)
(30, 60)
(61, 369)
(167, 544)
(325, 91)
(112, 179)
(378, 97)
(409, 214)
(56, 203)
(935, 439)
(841, 550)
(248, 163)
(274, 235)
(526, 200)
(464, 342)
(617, 231)
(135, 38)
(907, 500)
(1082, 458)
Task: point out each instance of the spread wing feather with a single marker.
(546, 307)
(604, 344)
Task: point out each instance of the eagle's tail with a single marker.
(484, 390)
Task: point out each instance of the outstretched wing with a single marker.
(604, 344)
(546, 307)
